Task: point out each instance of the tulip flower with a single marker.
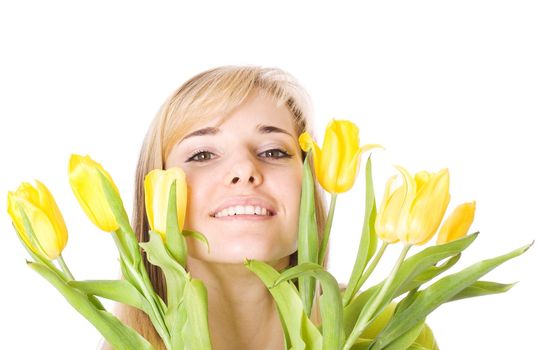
(427, 208)
(85, 178)
(457, 224)
(387, 219)
(413, 212)
(49, 229)
(157, 185)
(336, 164)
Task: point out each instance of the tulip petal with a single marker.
(36, 206)
(45, 233)
(306, 142)
(409, 193)
(329, 167)
(347, 134)
(458, 223)
(157, 185)
(49, 206)
(16, 218)
(85, 180)
(388, 216)
(428, 208)
(348, 173)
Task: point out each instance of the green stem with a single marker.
(147, 290)
(327, 227)
(368, 271)
(372, 308)
(64, 267)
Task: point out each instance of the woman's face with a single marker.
(244, 175)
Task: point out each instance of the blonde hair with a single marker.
(213, 92)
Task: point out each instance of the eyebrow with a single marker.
(267, 129)
(211, 130)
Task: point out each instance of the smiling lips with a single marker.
(244, 208)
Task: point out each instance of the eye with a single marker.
(275, 153)
(201, 156)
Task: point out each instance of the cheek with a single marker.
(199, 189)
(288, 186)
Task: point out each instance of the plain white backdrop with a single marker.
(439, 84)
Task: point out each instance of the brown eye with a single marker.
(275, 153)
(201, 156)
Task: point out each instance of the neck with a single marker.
(241, 310)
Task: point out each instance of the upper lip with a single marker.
(249, 200)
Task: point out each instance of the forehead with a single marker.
(257, 113)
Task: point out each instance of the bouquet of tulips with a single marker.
(387, 315)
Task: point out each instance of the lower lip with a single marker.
(245, 217)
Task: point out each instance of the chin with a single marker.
(235, 251)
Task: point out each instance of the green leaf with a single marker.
(176, 318)
(175, 275)
(45, 261)
(414, 270)
(115, 332)
(430, 273)
(197, 333)
(117, 290)
(300, 332)
(175, 241)
(362, 344)
(308, 241)
(408, 272)
(408, 300)
(416, 346)
(330, 301)
(197, 235)
(124, 237)
(407, 339)
(355, 307)
(368, 241)
(422, 261)
(481, 288)
(438, 293)
(115, 203)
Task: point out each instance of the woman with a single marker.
(234, 132)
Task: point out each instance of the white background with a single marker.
(440, 84)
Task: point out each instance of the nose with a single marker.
(243, 172)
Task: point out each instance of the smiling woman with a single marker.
(234, 132)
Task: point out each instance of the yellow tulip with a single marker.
(427, 199)
(157, 185)
(50, 232)
(85, 181)
(458, 223)
(336, 164)
(412, 212)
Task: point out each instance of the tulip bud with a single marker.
(157, 185)
(85, 178)
(336, 164)
(49, 229)
(458, 223)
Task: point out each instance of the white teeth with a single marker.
(239, 210)
(242, 210)
(249, 210)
